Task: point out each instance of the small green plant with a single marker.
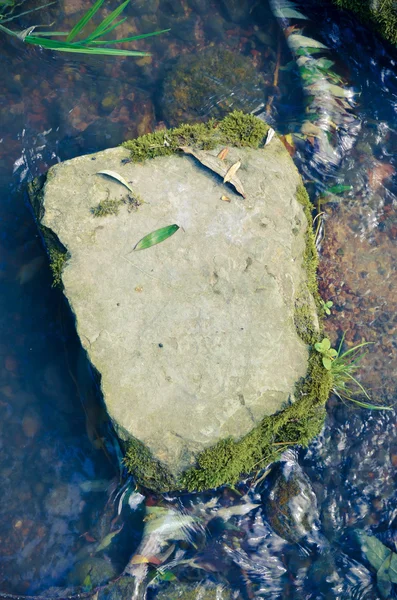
(325, 307)
(93, 43)
(328, 354)
(343, 366)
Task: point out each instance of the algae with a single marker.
(381, 13)
(148, 471)
(57, 264)
(236, 129)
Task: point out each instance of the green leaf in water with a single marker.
(156, 237)
(338, 189)
(107, 22)
(87, 583)
(374, 551)
(107, 540)
(84, 20)
(118, 177)
(66, 47)
(166, 575)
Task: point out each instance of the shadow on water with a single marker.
(60, 481)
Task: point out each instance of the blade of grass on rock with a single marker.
(84, 20)
(156, 237)
(118, 177)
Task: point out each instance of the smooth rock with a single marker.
(194, 338)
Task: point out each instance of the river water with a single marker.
(68, 519)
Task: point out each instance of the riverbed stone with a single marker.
(194, 338)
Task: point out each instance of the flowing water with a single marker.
(68, 519)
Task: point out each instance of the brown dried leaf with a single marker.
(223, 153)
(216, 165)
(232, 171)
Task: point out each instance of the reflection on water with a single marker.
(66, 517)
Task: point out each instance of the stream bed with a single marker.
(68, 519)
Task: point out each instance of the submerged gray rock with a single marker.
(194, 338)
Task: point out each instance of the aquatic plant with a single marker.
(93, 43)
(343, 367)
(106, 207)
(326, 306)
(382, 14)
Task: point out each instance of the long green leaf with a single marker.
(65, 47)
(51, 33)
(130, 39)
(84, 20)
(109, 19)
(108, 30)
(156, 237)
(297, 40)
(8, 31)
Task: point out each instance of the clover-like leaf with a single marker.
(327, 362)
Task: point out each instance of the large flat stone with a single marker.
(194, 338)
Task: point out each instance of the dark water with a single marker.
(62, 492)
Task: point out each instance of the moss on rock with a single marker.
(382, 13)
(236, 129)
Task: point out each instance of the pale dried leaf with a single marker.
(118, 177)
(269, 136)
(223, 153)
(232, 171)
(225, 198)
(214, 164)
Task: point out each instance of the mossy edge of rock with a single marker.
(384, 16)
(228, 460)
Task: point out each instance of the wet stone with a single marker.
(194, 338)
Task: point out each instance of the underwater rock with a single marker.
(290, 503)
(191, 591)
(208, 84)
(194, 338)
(238, 10)
(98, 570)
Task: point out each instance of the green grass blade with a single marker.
(156, 237)
(108, 30)
(26, 12)
(65, 47)
(354, 349)
(109, 20)
(84, 20)
(130, 39)
(8, 31)
(370, 406)
(51, 33)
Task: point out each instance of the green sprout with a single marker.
(325, 307)
(329, 354)
(343, 366)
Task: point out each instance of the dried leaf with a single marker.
(223, 153)
(155, 237)
(232, 171)
(296, 41)
(288, 142)
(214, 164)
(118, 177)
(107, 540)
(138, 559)
(270, 135)
(225, 198)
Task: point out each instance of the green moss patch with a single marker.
(148, 471)
(382, 13)
(236, 129)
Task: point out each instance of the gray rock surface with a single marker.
(194, 338)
